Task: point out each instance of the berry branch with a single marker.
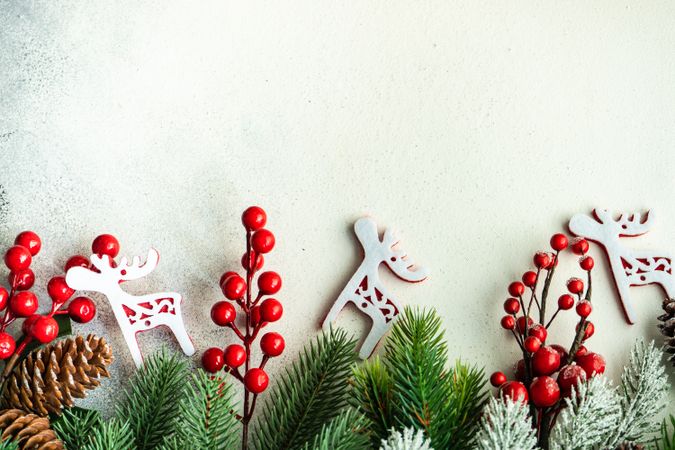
(257, 314)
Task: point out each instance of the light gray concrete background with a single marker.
(476, 128)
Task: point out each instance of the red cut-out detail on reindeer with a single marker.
(629, 267)
(365, 289)
(134, 314)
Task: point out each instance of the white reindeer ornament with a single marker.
(629, 267)
(365, 289)
(134, 314)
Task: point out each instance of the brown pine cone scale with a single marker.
(49, 378)
(29, 431)
(667, 327)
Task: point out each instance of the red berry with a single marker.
(539, 331)
(272, 344)
(234, 287)
(579, 246)
(592, 363)
(58, 290)
(23, 304)
(44, 329)
(213, 359)
(223, 313)
(76, 261)
(254, 218)
(262, 241)
(586, 263)
(4, 298)
(7, 345)
(584, 308)
(269, 283)
(516, 289)
(582, 350)
(255, 316)
(570, 375)
(542, 260)
(512, 306)
(250, 264)
(28, 324)
(271, 310)
(514, 390)
(256, 380)
(519, 370)
(544, 392)
(561, 351)
(235, 355)
(82, 309)
(529, 278)
(30, 240)
(18, 258)
(559, 242)
(21, 280)
(508, 322)
(497, 379)
(520, 325)
(545, 361)
(590, 329)
(225, 276)
(575, 286)
(531, 344)
(565, 302)
(106, 244)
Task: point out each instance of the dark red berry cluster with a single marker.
(548, 372)
(21, 302)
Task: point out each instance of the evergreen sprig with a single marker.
(9, 445)
(666, 440)
(111, 435)
(312, 392)
(505, 425)
(410, 439)
(75, 426)
(373, 392)
(344, 432)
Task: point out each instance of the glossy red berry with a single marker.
(590, 329)
(512, 306)
(269, 283)
(539, 331)
(82, 309)
(213, 360)
(516, 289)
(224, 277)
(234, 287)
(575, 286)
(23, 304)
(542, 260)
(18, 258)
(272, 344)
(76, 261)
(28, 324)
(497, 379)
(584, 308)
(545, 361)
(22, 280)
(565, 302)
(30, 240)
(529, 278)
(4, 298)
(254, 261)
(559, 242)
(582, 350)
(58, 290)
(579, 246)
(519, 370)
(256, 380)
(520, 324)
(544, 392)
(508, 322)
(44, 329)
(561, 351)
(106, 244)
(255, 316)
(271, 310)
(235, 355)
(262, 241)
(514, 390)
(592, 363)
(570, 376)
(531, 344)
(586, 263)
(7, 345)
(223, 313)
(254, 218)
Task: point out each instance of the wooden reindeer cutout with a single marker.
(365, 289)
(629, 267)
(134, 314)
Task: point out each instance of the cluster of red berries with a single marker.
(21, 302)
(547, 372)
(257, 312)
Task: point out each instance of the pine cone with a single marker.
(630, 446)
(668, 327)
(30, 431)
(50, 377)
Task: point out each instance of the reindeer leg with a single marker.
(340, 303)
(134, 349)
(178, 329)
(378, 330)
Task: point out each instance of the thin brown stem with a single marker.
(552, 317)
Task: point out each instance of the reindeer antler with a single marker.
(628, 224)
(390, 238)
(136, 269)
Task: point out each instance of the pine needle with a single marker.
(666, 440)
(9, 445)
(111, 435)
(75, 426)
(505, 425)
(311, 393)
(345, 432)
(373, 392)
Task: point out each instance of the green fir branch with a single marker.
(666, 439)
(311, 392)
(111, 435)
(344, 432)
(151, 403)
(75, 426)
(372, 396)
(9, 445)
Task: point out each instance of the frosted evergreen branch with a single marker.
(589, 416)
(505, 425)
(408, 440)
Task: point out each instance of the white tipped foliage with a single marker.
(505, 425)
(408, 440)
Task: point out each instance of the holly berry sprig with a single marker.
(257, 314)
(547, 373)
(21, 303)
